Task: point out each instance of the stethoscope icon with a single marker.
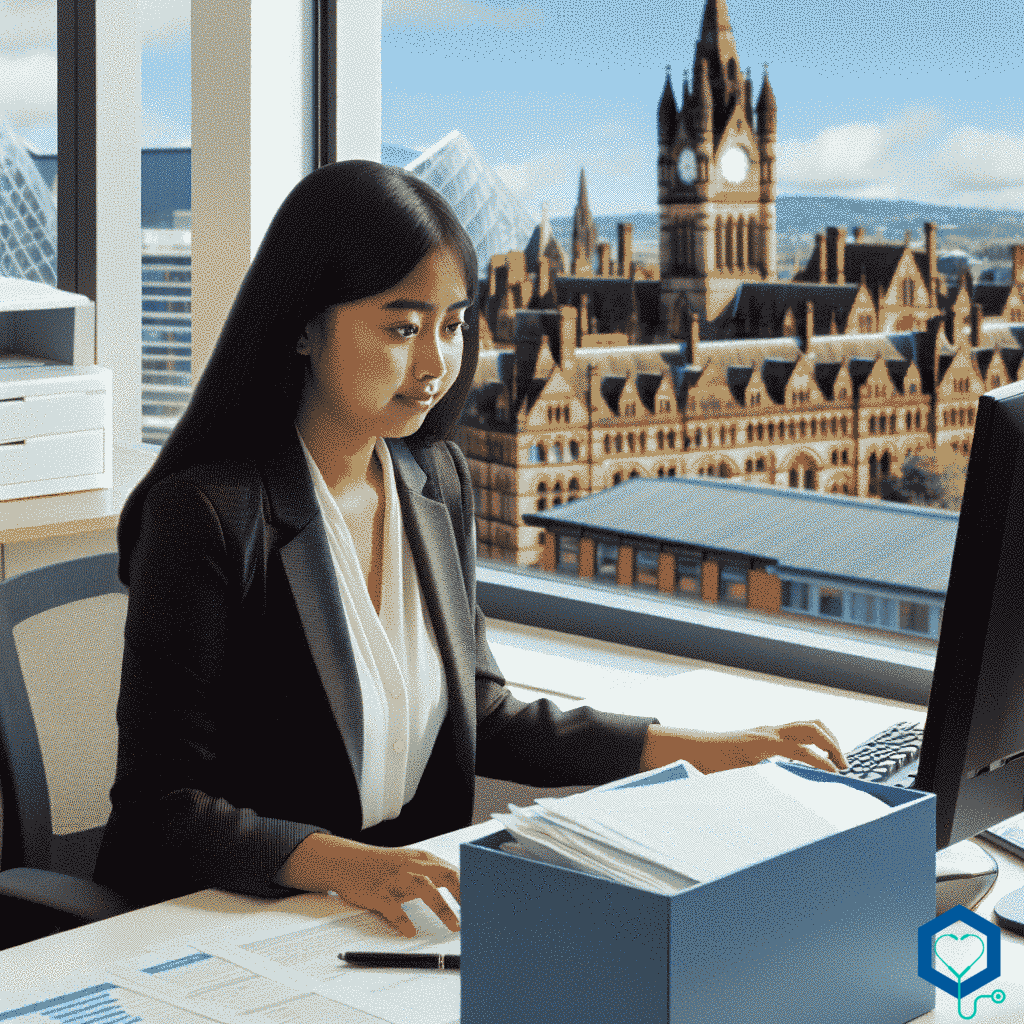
(997, 996)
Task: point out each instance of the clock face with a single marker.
(735, 165)
(687, 167)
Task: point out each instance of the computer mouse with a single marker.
(964, 873)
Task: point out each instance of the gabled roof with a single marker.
(878, 262)
(777, 296)
(992, 298)
(877, 542)
(611, 391)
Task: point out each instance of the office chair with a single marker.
(35, 900)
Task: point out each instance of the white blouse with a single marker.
(401, 676)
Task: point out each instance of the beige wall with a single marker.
(71, 660)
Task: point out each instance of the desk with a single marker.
(569, 671)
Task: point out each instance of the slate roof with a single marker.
(992, 298)
(877, 543)
(877, 260)
(753, 299)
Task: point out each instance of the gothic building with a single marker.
(594, 370)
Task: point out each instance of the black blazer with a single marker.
(240, 717)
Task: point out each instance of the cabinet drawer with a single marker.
(50, 414)
(54, 455)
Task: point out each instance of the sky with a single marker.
(875, 100)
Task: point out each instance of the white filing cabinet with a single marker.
(56, 406)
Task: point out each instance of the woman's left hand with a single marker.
(718, 751)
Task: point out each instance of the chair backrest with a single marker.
(27, 826)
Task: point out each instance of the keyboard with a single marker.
(894, 751)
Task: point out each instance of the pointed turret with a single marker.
(766, 109)
(717, 46)
(748, 105)
(702, 99)
(584, 230)
(667, 112)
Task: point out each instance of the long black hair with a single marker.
(346, 232)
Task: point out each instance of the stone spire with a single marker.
(717, 45)
(584, 230)
(766, 109)
(667, 111)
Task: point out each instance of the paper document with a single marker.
(291, 973)
(669, 835)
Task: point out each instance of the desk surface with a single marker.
(570, 672)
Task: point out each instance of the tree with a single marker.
(927, 480)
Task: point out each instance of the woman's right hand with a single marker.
(379, 878)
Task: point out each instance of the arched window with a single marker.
(750, 465)
(842, 426)
(661, 439)
(741, 225)
(643, 441)
(536, 453)
(632, 442)
(732, 435)
(634, 475)
(551, 413)
(661, 471)
(793, 479)
(574, 484)
(730, 227)
(556, 452)
(752, 253)
(565, 414)
(771, 431)
(574, 450)
(542, 503)
(718, 242)
(618, 442)
(872, 425)
(885, 464)
(542, 487)
(617, 479)
(671, 470)
(671, 437)
(917, 419)
(908, 292)
(750, 431)
(759, 466)
(892, 423)
(809, 482)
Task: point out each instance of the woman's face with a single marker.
(379, 365)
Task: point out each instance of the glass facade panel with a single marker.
(492, 217)
(914, 617)
(28, 214)
(830, 602)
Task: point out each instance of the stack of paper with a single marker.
(670, 835)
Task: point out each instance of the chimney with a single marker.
(604, 261)
(858, 234)
(975, 324)
(625, 249)
(836, 248)
(694, 337)
(933, 262)
(819, 242)
(808, 331)
(1017, 255)
(906, 237)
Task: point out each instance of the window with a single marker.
(646, 568)
(732, 584)
(830, 602)
(688, 568)
(795, 595)
(567, 558)
(536, 453)
(606, 560)
(574, 450)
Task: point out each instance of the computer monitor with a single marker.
(972, 754)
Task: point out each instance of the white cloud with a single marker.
(449, 14)
(28, 85)
(916, 154)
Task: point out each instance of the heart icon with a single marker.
(957, 952)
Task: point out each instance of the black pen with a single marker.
(439, 962)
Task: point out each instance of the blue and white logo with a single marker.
(968, 948)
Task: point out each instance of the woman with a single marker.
(307, 685)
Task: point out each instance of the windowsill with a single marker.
(847, 658)
(64, 515)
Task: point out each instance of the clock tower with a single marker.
(716, 184)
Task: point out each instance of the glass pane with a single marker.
(606, 560)
(732, 584)
(166, 128)
(568, 555)
(688, 574)
(830, 602)
(647, 568)
(28, 142)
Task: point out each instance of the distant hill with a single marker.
(799, 218)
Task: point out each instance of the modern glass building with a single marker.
(491, 215)
(28, 215)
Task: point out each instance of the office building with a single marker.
(28, 214)
(880, 566)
